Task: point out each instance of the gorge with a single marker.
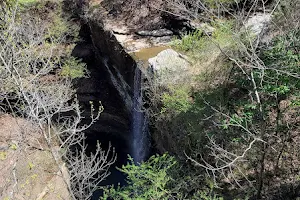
(163, 100)
(115, 81)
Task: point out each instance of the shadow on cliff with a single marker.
(113, 127)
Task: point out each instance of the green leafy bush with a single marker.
(214, 4)
(158, 178)
(177, 100)
(21, 3)
(57, 24)
(189, 41)
(282, 60)
(73, 68)
(145, 181)
(24, 2)
(60, 28)
(224, 34)
(198, 45)
(207, 195)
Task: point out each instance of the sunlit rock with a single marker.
(169, 67)
(258, 23)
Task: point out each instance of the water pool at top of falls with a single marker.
(144, 54)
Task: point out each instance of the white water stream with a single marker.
(140, 141)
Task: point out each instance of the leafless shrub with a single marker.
(27, 58)
(88, 171)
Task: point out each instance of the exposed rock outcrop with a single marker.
(258, 23)
(169, 67)
(118, 63)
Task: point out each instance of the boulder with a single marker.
(169, 67)
(258, 23)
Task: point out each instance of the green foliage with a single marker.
(177, 100)
(282, 60)
(220, 3)
(224, 34)
(239, 115)
(206, 195)
(3, 155)
(189, 41)
(197, 45)
(73, 68)
(145, 181)
(296, 102)
(161, 178)
(60, 28)
(276, 82)
(21, 3)
(284, 51)
(26, 2)
(13, 146)
(8, 3)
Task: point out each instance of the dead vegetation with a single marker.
(44, 142)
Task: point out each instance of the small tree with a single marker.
(145, 181)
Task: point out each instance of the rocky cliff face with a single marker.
(111, 76)
(119, 65)
(110, 82)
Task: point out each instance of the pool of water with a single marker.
(144, 54)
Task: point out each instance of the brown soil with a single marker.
(27, 169)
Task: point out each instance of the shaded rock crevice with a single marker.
(119, 65)
(110, 81)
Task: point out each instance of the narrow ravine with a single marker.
(115, 80)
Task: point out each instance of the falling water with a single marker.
(139, 123)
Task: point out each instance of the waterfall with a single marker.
(140, 143)
(139, 123)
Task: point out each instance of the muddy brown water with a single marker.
(146, 53)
